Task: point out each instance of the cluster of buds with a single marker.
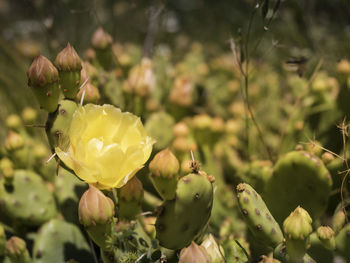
(47, 81)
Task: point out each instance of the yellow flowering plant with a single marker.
(107, 147)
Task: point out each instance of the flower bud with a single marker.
(181, 92)
(314, 147)
(164, 169)
(327, 157)
(69, 65)
(29, 115)
(101, 39)
(180, 129)
(343, 67)
(43, 79)
(132, 191)
(129, 199)
(152, 105)
(13, 122)
(16, 250)
(40, 151)
(141, 79)
(186, 166)
(92, 94)
(87, 71)
(232, 126)
(102, 43)
(297, 228)
(202, 122)
(183, 145)
(13, 141)
(215, 252)
(164, 164)
(338, 220)
(217, 125)
(298, 224)
(68, 60)
(194, 254)
(6, 169)
(326, 236)
(90, 54)
(95, 208)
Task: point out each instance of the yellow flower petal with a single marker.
(65, 157)
(107, 146)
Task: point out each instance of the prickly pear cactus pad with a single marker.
(59, 241)
(299, 178)
(179, 221)
(259, 219)
(27, 200)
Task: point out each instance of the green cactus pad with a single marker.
(68, 190)
(59, 241)
(58, 124)
(179, 221)
(299, 178)
(256, 173)
(317, 251)
(280, 253)
(342, 241)
(258, 217)
(160, 127)
(27, 201)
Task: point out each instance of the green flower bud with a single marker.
(164, 170)
(6, 170)
(326, 236)
(16, 250)
(13, 141)
(338, 220)
(69, 65)
(29, 115)
(91, 93)
(180, 129)
(202, 122)
(95, 208)
(101, 39)
(343, 67)
(164, 164)
(129, 199)
(132, 191)
(298, 224)
(297, 228)
(327, 157)
(194, 254)
(40, 151)
(13, 122)
(43, 79)
(68, 60)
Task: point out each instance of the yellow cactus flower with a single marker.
(107, 147)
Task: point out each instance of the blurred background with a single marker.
(311, 29)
